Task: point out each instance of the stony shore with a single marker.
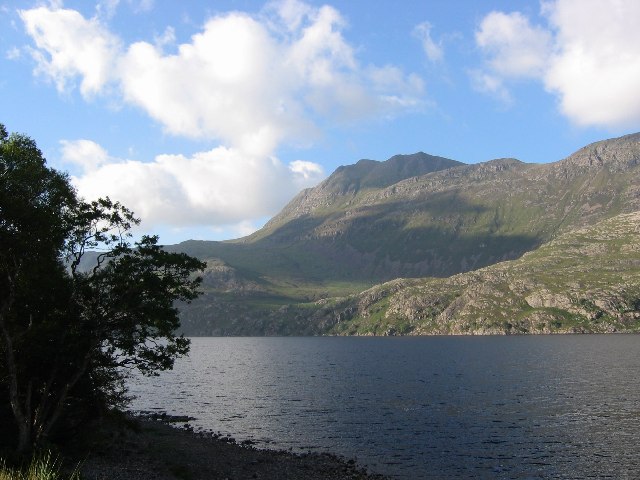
(155, 450)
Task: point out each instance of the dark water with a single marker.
(435, 407)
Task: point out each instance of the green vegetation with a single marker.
(71, 323)
(434, 218)
(41, 467)
(587, 280)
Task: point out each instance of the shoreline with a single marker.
(152, 448)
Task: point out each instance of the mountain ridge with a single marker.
(347, 181)
(355, 230)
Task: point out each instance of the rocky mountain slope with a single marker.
(411, 216)
(587, 280)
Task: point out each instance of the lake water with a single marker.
(428, 407)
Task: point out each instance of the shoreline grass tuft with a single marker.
(42, 467)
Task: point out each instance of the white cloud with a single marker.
(168, 37)
(250, 83)
(221, 186)
(596, 70)
(289, 13)
(240, 229)
(306, 170)
(433, 50)
(107, 8)
(221, 85)
(492, 85)
(588, 55)
(516, 48)
(85, 154)
(68, 46)
(305, 174)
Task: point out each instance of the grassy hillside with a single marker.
(586, 280)
(439, 223)
(373, 221)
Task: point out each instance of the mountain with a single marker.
(346, 184)
(411, 216)
(586, 280)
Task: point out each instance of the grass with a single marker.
(42, 467)
(589, 281)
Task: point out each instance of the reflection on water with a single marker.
(434, 407)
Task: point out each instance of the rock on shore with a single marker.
(155, 450)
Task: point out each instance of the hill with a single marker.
(587, 280)
(411, 216)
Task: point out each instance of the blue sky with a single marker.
(206, 117)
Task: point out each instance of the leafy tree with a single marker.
(79, 304)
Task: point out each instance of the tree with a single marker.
(79, 304)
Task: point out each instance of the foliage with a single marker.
(41, 467)
(79, 304)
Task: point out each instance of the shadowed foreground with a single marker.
(156, 450)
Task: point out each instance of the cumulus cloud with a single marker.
(248, 82)
(251, 82)
(87, 155)
(596, 70)
(218, 86)
(69, 46)
(516, 48)
(587, 54)
(221, 186)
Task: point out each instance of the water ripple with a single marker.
(418, 408)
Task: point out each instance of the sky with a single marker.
(206, 117)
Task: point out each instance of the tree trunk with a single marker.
(20, 414)
(24, 438)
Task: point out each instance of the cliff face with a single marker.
(411, 216)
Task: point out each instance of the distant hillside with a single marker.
(587, 280)
(346, 184)
(411, 216)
